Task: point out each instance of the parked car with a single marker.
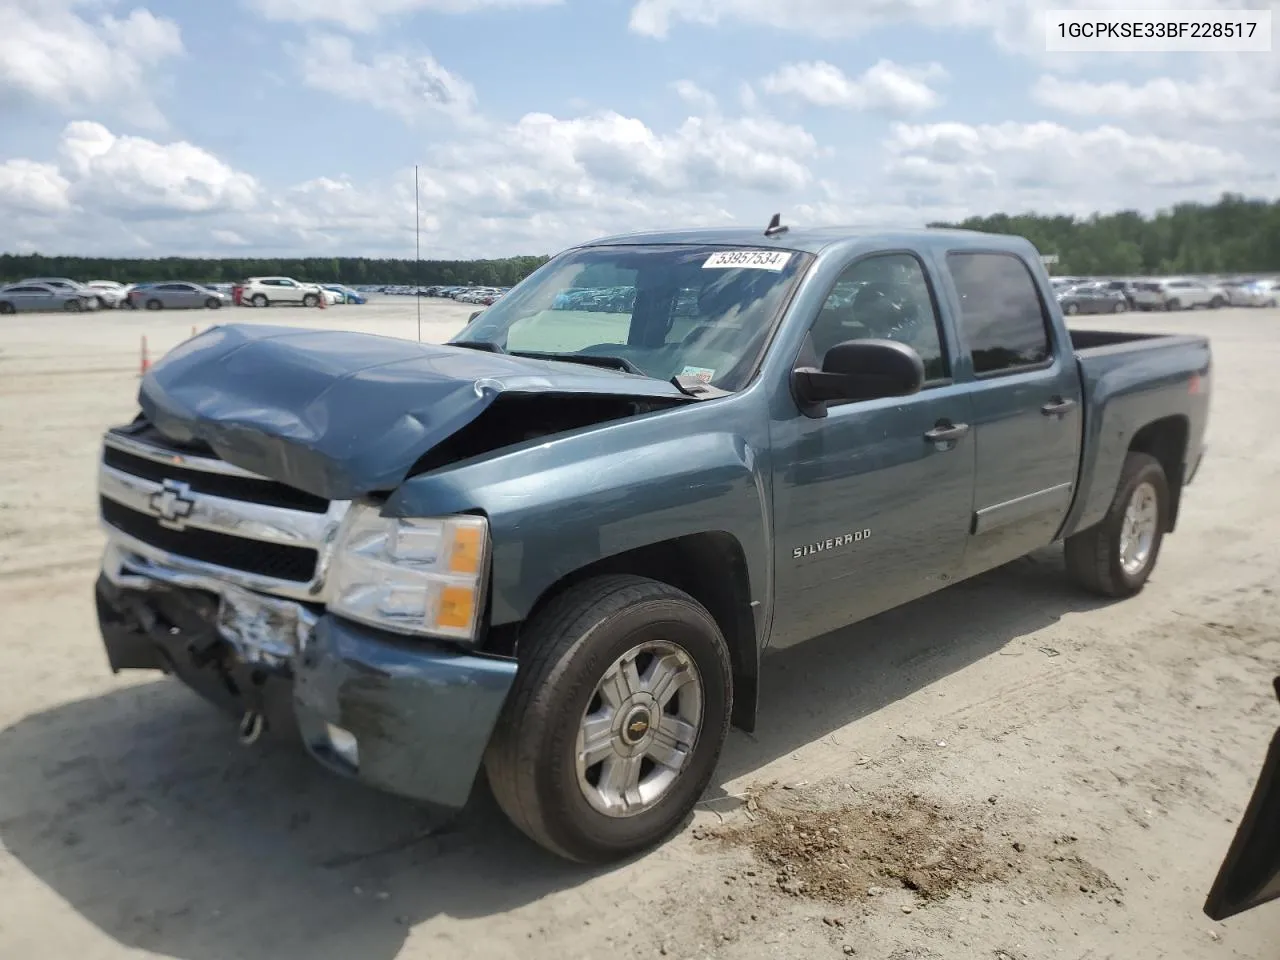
(561, 546)
(1189, 294)
(345, 294)
(265, 291)
(110, 293)
(1253, 293)
(177, 295)
(1092, 298)
(1148, 295)
(30, 297)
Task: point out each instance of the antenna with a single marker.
(417, 252)
(775, 226)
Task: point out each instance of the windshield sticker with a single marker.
(701, 374)
(773, 260)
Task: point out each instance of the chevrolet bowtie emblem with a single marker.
(172, 503)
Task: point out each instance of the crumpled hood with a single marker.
(343, 414)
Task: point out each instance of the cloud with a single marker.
(139, 178)
(52, 54)
(1229, 91)
(30, 187)
(885, 86)
(366, 15)
(407, 86)
(694, 95)
(1051, 168)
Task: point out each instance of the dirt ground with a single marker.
(1006, 770)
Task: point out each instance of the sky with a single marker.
(293, 127)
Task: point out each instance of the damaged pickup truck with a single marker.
(558, 547)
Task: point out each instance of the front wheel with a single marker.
(1071, 309)
(1174, 304)
(73, 306)
(1217, 303)
(1121, 307)
(154, 305)
(616, 720)
(310, 300)
(259, 300)
(1115, 557)
(213, 303)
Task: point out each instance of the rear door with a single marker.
(30, 298)
(1026, 406)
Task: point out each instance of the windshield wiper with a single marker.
(487, 346)
(591, 360)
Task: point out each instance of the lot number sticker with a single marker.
(747, 260)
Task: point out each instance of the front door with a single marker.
(872, 500)
(1026, 396)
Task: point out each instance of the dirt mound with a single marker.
(849, 853)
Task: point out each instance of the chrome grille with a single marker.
(206, 516)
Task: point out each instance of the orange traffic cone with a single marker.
(145, 363)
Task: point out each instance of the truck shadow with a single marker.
(139, 810)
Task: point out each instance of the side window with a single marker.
(884, 297)
(1000, 311)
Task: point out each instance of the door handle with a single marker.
(1057, 407)
(946, 431)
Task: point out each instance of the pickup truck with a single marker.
(558, 547)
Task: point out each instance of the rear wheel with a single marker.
(1071, 309)
(310, 300)
(154, 305)
(1121, 307)
(213, 303)
(259, 300)
(6, 307)
(1115, 557)
(616, 721)
(73, 306)
(1217, 303)
(1174, 304)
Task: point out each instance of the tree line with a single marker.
(348, 270)
(1234, 235)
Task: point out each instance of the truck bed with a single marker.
(1135, 383)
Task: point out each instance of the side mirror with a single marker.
(860, 370)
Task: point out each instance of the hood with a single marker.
(343, 414)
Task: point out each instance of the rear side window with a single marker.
(1003, 320)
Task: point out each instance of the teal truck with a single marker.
(558, 547)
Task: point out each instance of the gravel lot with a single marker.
(1022, 771)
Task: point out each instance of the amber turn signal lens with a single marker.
(457, 606)
(464, 555)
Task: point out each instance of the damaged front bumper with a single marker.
(405, 716)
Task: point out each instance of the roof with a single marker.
(818, 239)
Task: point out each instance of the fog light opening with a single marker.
(343, 744)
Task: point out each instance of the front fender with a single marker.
(561, 505)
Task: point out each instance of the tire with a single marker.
(1217, 303)
(73, 306)
(259, 300)
(154, 305)
(310, 300)
(213, 303)
(1121, 307)
(6, 308)
(565, 652)
(1095, 556)
(1070, 309)
(1174, 304)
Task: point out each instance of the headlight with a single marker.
(410, 575)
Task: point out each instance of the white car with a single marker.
(1257, 293)
(110, 293)
(265, 291)
(1189, 294)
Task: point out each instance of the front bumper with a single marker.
(405, 716)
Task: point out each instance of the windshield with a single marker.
(669, 311)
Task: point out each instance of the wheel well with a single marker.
(712, 569)
(1166, 440)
